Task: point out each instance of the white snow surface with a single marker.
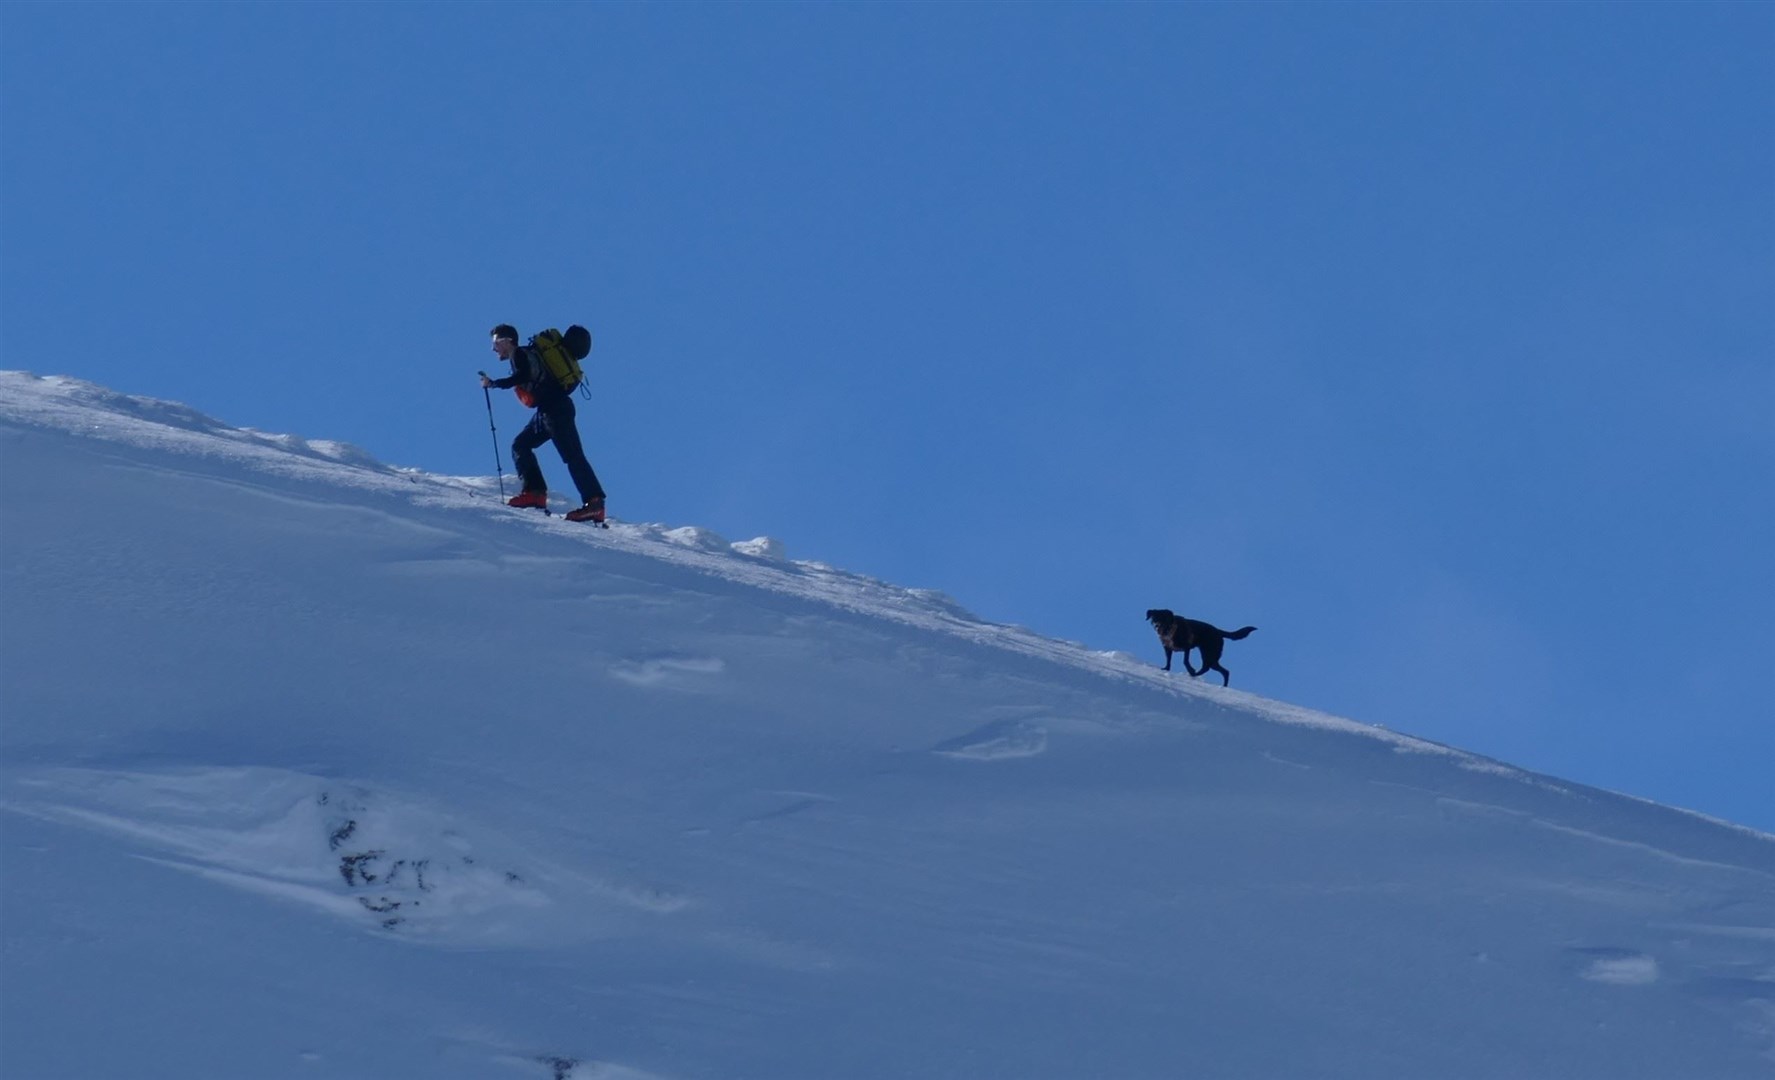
(315, 767)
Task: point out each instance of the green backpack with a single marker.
(561, 353)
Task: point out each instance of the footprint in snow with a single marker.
(1616, 967)
(666, 670)
(799, 802)
(997, 741)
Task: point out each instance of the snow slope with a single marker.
(315, 767)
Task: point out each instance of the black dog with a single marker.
(1178, 634)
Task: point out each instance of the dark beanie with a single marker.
(504, 330)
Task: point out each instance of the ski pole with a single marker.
(497, 463)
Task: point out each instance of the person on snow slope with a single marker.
(554, 420)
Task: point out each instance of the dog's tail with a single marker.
(1239, 635)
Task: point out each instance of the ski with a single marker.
(546, 512)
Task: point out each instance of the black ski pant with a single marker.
(555, 421)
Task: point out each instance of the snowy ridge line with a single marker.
(81, 408)
(1708, 818)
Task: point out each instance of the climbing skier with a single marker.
(553, 420)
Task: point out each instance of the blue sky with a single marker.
(1435, 340)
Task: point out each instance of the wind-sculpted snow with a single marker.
(340, 849)
(316, 766)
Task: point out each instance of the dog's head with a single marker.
(1161, 618)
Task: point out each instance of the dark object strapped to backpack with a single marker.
(560, 355)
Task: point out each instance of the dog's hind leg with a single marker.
(1211, 658)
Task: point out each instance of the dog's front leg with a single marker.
(1168, 658)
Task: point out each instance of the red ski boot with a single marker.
(592, 512)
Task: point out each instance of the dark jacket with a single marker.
(529, 375)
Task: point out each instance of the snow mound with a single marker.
(761, 547)
(697, 538)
